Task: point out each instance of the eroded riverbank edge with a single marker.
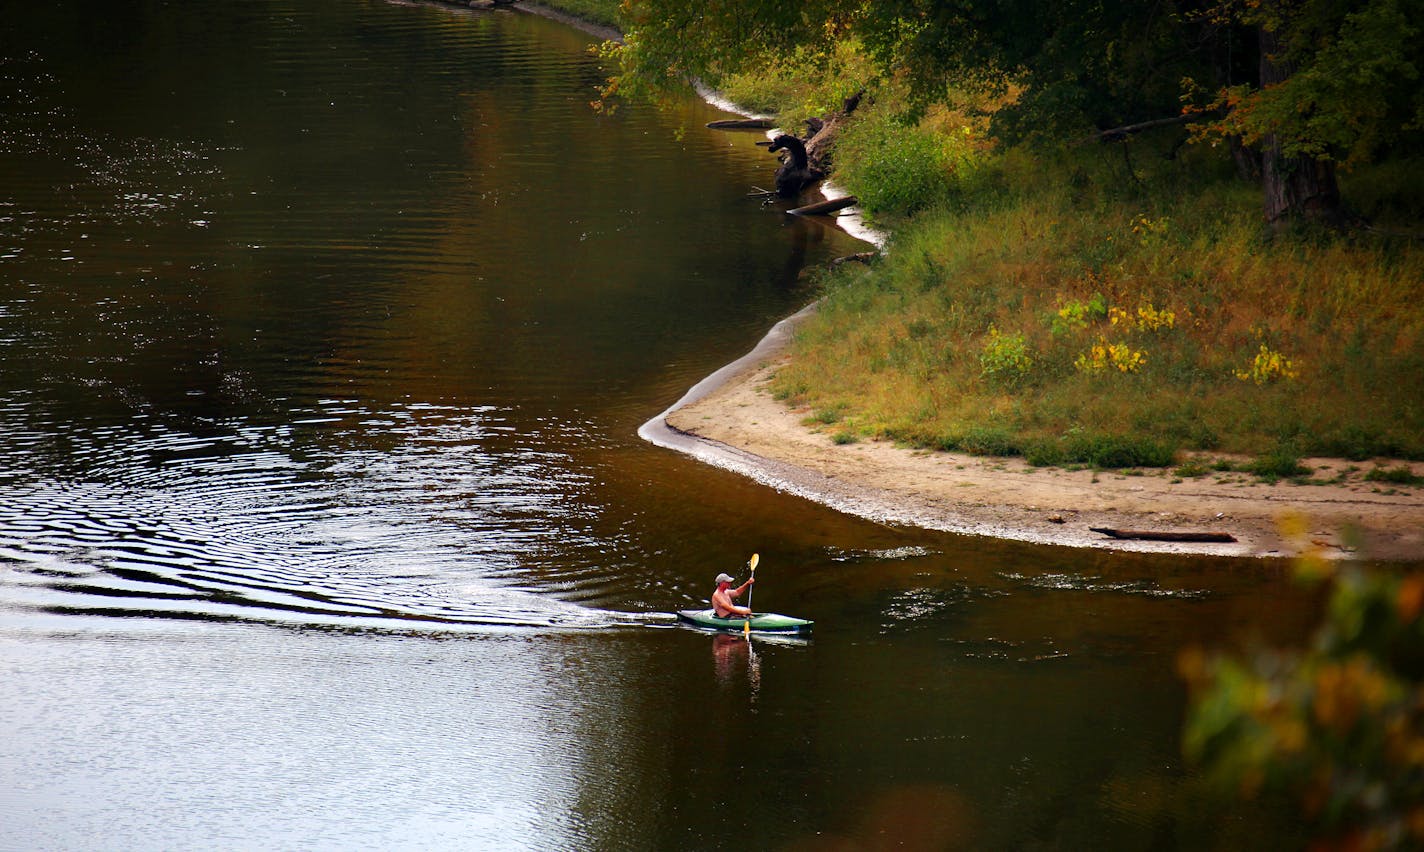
(731, 420)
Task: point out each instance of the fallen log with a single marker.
(821, 208)
(822, 134)
(1165, 535)
(796, 172)
(866, 257)
(742, 124)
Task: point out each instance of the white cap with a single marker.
(725, 578)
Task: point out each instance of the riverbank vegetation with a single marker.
(602, 12)
(1117, 235)
(1090, 309)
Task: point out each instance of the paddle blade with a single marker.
(756, 557)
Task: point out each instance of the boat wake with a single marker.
(309, 557)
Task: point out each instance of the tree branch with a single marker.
(1117, 134)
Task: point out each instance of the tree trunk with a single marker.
(1294, 187)
(1247, 160)
(1298, 187)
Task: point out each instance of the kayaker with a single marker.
(722, 598)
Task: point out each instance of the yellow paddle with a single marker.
(747, 625)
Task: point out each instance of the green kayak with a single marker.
(762, 622)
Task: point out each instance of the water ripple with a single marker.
(1089, 583)
(254, 524)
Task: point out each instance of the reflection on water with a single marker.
(326, 328)
(736, 662)
(478, 745)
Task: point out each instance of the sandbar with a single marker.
(732, 420)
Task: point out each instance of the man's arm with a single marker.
(720, 601)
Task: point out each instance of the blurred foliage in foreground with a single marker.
(1337, 728)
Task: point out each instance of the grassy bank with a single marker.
(603, 12)
(1076, 311)
(1112, 308)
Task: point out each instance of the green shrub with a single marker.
(1101, 451)
(1280, 463)
(1045, 453)
(1356, 443)
(1005, 358)
(1075, 314)
(1114, 451)
(896, 167)
(989, 441)
(1191, 470)
(1398, 475)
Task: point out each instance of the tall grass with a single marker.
(801, 85)
(1098, 310)
(606, 12)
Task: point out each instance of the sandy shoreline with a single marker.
(731, 420)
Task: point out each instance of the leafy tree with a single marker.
(668, 44)
(1337, 728)
(1307, 84)
(1077, 63)
(1337, 83)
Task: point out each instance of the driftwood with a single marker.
(742, 124)
(821, 208)
(806, 160)
(796, 172)
(822, 133)
(1165, 535)
(859, 257)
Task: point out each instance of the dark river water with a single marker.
(325, 332)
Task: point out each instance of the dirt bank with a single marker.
(732, 420)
